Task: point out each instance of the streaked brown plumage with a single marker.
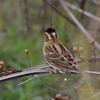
(55, 53)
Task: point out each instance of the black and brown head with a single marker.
(50, 34)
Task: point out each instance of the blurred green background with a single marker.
(22, 23)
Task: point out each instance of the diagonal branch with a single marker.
(63, 3)
(83, 11)
(59, 12)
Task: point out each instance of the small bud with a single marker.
(80, 48)
(1, 64)
(26, 51)
(92, 42)
(75, 49)
(58, 96)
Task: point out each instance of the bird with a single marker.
(56, 54)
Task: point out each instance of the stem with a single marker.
(29, 63)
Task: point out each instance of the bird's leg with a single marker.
(51, 70)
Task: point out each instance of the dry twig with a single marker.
(59, 12)
(83, 12)
(88, 36)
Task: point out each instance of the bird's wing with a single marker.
(65, 60)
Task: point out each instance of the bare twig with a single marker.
(83, 11)
(27, 15)
(35, 76)
(63, 3)
(83, 80)
(30, 71)
(59, 12)
(94, 58)
(97, 2)
(95, 95)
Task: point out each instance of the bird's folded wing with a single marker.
(59, 61)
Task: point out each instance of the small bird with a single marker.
(55, 52)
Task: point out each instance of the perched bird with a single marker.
(55, 52)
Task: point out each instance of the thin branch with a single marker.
(83, 11)
(94, 58)
(32, 71)
(26, 10)
(63, 3)
(97, 2)
(92, 72)
(95, 95)
(59, 12)
(35, 76)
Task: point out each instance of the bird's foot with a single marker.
(51, 70)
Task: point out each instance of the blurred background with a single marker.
(22, 24)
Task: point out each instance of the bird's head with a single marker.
(50, 34)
